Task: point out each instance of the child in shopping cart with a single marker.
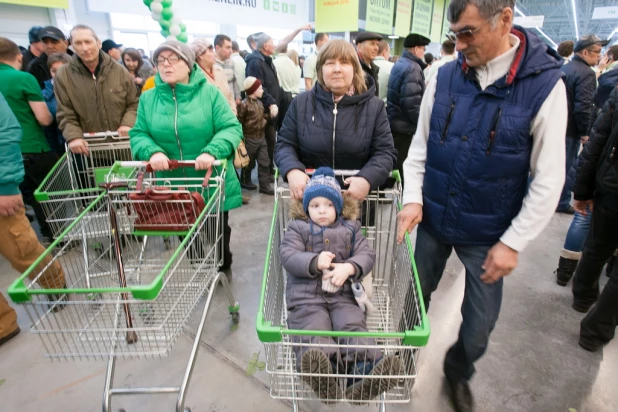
(326, 256)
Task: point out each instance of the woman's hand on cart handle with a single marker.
(173, 164)
(358, 188)
(297, 180)
(79, 146)
(407, 219)
(159, 161)
(204, 161)
(123, 131)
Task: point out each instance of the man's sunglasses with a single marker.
(467, 35)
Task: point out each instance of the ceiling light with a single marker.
(575, 19)
(393, 37)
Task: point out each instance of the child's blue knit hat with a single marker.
(323, 183)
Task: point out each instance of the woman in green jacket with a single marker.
(185, 118)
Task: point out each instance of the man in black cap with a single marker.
(367, 46)
(405, 92)
(54, 41)
(113, 49)
(35, 49)
(581, 83)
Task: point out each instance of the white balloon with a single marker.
(156, 16)
(170, 37)
(175, 30)
(156, 8)
(176, 19)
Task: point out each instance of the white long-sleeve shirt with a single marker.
(547, 161)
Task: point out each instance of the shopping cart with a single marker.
(74, 181)
(398, 326)
(130, 298)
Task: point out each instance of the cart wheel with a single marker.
(235, 317)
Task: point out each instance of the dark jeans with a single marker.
(572, 148)
(36, 168)
(599, 326)
(402, 144)
(257, 149)
(601, 243)
(481, 302)
(271, 138)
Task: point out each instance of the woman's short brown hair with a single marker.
(134, 55)
(344, 52)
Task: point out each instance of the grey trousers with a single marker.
(338, 313)
(257, 149)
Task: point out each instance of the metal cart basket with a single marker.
(397, 328)
(129, 297)
(74, 181)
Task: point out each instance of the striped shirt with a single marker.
(230, 76)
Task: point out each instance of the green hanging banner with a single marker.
(379, 17)
(402, 18)
(437, 21)
(336, 15)
(421, 17)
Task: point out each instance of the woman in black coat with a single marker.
(340, 124)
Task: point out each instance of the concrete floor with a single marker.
(533, 362)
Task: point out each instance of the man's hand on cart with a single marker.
(9, 205)
(159, 161)
(340, 273)
(500, 262)
(123, 131)
(324, 260)
(410, 216)
(297, 180)
(79, 146)
(358, 188)
(204, 161)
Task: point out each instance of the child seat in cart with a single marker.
(398, 326)
(131, 297)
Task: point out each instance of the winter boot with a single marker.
(566, 268)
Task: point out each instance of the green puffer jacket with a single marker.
(204, 121)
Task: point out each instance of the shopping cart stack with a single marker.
(398, 327)
(130, 296)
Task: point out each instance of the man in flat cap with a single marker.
(54, 41)
(405, 92)
(367, 45)
(581, 83)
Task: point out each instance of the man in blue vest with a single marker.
(487, 123)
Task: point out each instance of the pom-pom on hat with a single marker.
(324, 184)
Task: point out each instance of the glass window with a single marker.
(128, 21)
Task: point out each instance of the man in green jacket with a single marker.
(18, 242)
(94, 93)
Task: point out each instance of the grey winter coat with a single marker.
(300, 249)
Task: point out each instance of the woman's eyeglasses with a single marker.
(172, 60)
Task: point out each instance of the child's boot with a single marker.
(325, 385)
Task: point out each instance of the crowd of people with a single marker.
(487, 140)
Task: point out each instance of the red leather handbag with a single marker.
(162, 208)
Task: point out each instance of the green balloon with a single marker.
(167, 13)
(148, 3)
(183, 27)
(165, 33)
(165, 24)
(166, 3)
(182, 37)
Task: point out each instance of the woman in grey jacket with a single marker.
(323, 255)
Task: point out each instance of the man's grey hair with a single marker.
(84, 27)
(488, 9)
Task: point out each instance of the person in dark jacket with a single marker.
(405, 91)
(581, 84)
(489, 121)
(35, 49)
(340, 123)
(260, 65)
(597, 184)
(368, 45)
(53, 134)
(607, 83)
(54, 41)
(324, 253)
